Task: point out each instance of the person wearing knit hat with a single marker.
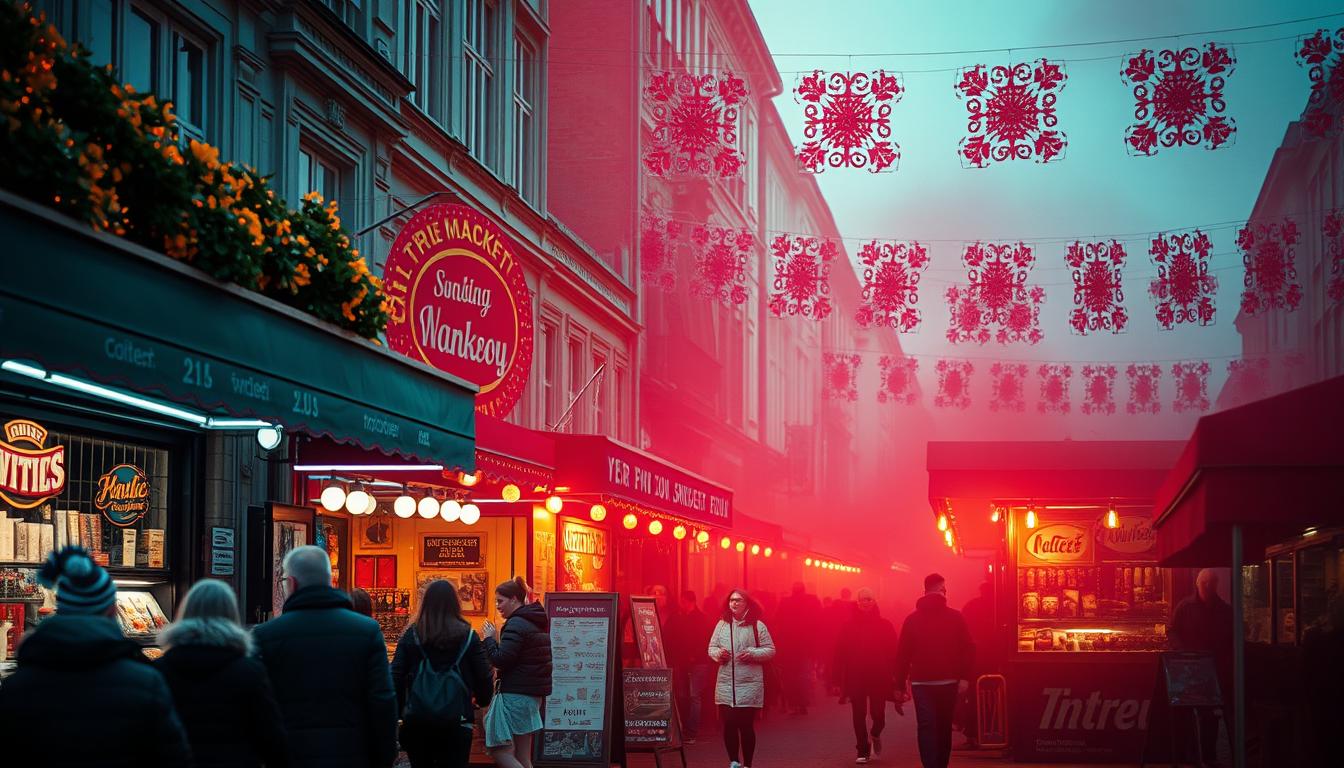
(77, 673)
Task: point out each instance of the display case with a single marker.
(1307, 572)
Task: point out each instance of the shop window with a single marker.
(478, 130)
(525, 83)
(420, 52)
(550, 363)
(141, 53)
(315, 174)
(577, 376)
(599, 394)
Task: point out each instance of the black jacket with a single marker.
(84, 695)
(687, 636)
(523, 653)
(865, 656)
(328, 667)
(223, 696)
(475, 666)
(935, 644)
(1200, 626)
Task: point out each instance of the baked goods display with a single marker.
(139, 614)
(1127, 603)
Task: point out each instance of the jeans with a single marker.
(863, 706)
(934, 706)
(690, 684)
(437, 746)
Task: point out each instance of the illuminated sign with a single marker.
(123, 495)
(29, 475)
(1058, 543)
(1134, 536)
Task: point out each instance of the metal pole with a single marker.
(1238, 734)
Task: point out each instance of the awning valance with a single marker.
(90, 305)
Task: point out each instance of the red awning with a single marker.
(508, 453)
(626, 477)
(1275, 467)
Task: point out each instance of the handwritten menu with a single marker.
(578, 711)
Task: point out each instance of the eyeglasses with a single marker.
(736, 600)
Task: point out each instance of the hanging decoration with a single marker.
(842, 376)
(694, 124)
(657, 234)
(847, 120)
(1144, 396)
(997, 297)
(1178, 98)
(954, 384)
(891, 273)
(1192, 386)
(1247, 381)
(899, 382)
(1271, 271)
(1098, 390)
(1011, 112)
(1320, 54)
(1098, 296)
(721, 255)
(1333, 229)
(1055, 380)
(1184, 290)
(1009, 380)
(802, 276)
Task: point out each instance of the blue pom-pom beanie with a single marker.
(82, 586)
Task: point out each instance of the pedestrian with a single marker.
(741, 646)
(801, 632)
(1202, 623)
(865, 670)
(439, 667)
(935, 654)
(688, 633)
(837, 612)
(979, 615)
(1323, 667)
(362, 602)
(83, 694)
(221, 691)
(328, 666)
(521, 655)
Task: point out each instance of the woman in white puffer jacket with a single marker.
(740, 645)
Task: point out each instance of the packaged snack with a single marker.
(1069, 604)
(1031, 605)
(1049, 606)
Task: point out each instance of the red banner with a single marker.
(592, 463)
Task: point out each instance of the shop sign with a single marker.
(1134, 536)
(643, 479)
(1073, 712)
(123, 495)
(461, 551)
(1058, 543)
(30, 472)
(457, 301)
(585, 558)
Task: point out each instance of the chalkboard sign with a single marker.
(580, 714)
(452, 550)
(1192, 680)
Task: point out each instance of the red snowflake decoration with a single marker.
(842, 376)
(1333, 230)
(1010, 385)
(1144, 395)
(997, 297)
(891, 273)
(694, 124)
(1321, 54)
(1247, 380)
(657, 238)
(1184, 290)
(1099, 390)
(1178, 98)
(1055, 380)
(954, 384)
(1271, 266)
(802, 284)
(1011, 112)
(1098, 296)
(721, 263)
(1192, 386)
(847, 120)
(899, 384)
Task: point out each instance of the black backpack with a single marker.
(441, 695)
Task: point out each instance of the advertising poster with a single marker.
(648, 633)
(1078, 712)
(648, 707)
(587, 567)
(578, 715)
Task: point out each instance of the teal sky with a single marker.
(1096, 190)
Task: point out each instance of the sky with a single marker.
(1096, 191)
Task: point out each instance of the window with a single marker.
(624, 404)
(480, 80)
(317, 175)
(599, 392)
(141, 53)
(419, 52)
(577, 378)
(550, 358)
(99, 31)
(189, 86)
(524, 123)
(348, 10)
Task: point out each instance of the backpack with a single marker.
(441, 695)
(771, 683)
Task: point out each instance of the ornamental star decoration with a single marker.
(1183, 291)
(1320, 54)
(1055, 380)
(891, 274)
(1144, 382)
(997, 296)
(1011, 112)
(841, 376)
(1098, 297)
(1270, 282)
(694, 124)
(954, 384)
(802, 267)
(1009, 381)
(1192, 386)
(899, 384)
(1099, 390)
(847, 120)
(1178, 98)
(721, 262)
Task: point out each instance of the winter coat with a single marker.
(865, 656)
(523, 652)
(84, 695)
(687, 634)
(328, 666)
(935, 644)
(800, 629)
(223, 695)
(741, 684)
(475, 670)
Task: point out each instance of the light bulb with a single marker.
(554, 504)
(470, 479)
(372, 506)
(994, 516)
(755, 549)
(725, 542)
(1031, 518)
(807, 561)
(1112, 519)
(451, 511)
(630, 521)
(333, 498)
(741, 546)
(942, 522)
(769, 551)
(702, 537)
(679, 532)
(471, 514)
(510, 493)
(598, 513)
(428, 507)
(357, 501)
(404, 506)
(655, 527)
(947, 536)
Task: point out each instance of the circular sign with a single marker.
(457, 301)
(123, 495)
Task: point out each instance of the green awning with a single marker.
(91, 305)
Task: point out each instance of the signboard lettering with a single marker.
(645, 480)
(1059, 543)
(648, 706)
(1134, 536)
(585, 558)
(123, 495)
(1082, 712)
(578, 713)
(29, 475)
(459, 551)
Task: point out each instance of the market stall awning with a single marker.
(1275, 467)
(508, 453)
(628, 478)
(80, 303)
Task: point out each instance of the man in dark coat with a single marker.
(1203, 623)
(688, 633)
(798, 629)
(979, 615)
(865, 671)
(83, 694)
(328, 666)
(935, 655)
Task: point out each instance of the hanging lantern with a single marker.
(1112, 519)
(741, 546)
(679, 532)
(655, 527)
(428, 507)
(357, 500)
(333, 497)
(755, 549)
(1031, 518)
(598, 513)
(452, 511)
(725, 542)
(554, 504)
(630, 521)
(471, 514)
(702, 537)
(769, 551)
(404, 506)
(807, 561)
(510, 493)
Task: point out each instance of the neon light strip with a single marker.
(368, 467)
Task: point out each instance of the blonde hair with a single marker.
(210, 599)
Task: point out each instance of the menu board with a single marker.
(456, 551)
(1191, 680)
(648, 706)
(578, 717)
(648, 632)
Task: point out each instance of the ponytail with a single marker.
(515, 588)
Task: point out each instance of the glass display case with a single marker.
(1308, 573)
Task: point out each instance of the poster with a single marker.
(586, 564)
(648, 632)
(577, 722)
(648, 706)
(286, 536)
(452, 551)
(543, 562)
(1075, 711)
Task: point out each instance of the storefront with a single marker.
(1081, 601)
